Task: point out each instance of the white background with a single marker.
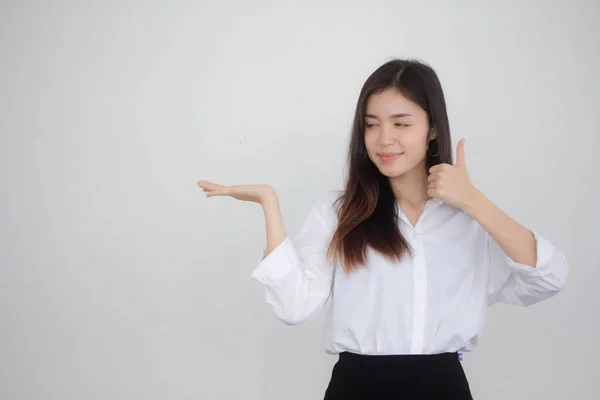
(119, 280)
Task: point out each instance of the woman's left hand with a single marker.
(451, 183)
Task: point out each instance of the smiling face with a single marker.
(397, 133)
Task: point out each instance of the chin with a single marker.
(391, 171)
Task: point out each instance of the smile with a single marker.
(388, 158)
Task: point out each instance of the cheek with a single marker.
(415, 141)
(415, 147)
(370, 141)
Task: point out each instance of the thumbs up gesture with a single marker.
(451, 183)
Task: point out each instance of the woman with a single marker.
(410, 253)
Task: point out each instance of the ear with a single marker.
(432, 134)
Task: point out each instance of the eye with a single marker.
(400, 124)
(369, 125)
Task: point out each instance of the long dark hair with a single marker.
(367, 213)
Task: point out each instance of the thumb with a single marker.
(460, 154)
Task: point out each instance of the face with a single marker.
(396, 133)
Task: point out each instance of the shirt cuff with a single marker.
(274, 267)
(545, 252)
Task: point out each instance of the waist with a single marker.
(402, 359)
(418, 376)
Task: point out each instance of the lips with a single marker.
(388, 158)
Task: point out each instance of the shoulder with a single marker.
(326, 205)
(328, 198)
(328, 201)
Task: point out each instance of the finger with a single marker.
(205, 184)
(218, 193)
(460, 154)
(434, 177)
(438, 168)
(210, 185)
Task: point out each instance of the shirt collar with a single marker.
(435, 202)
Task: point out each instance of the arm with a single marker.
(451, 183)
(295, 273)
(525, 268)
(273, 221)
(515, 240)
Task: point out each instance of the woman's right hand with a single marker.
(255, 193)
(264, 195)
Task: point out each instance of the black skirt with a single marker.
(411, 377)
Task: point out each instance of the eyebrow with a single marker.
(391, 116)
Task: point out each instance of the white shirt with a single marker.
(432, 302)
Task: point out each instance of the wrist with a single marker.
(476, 203)
(269, 197)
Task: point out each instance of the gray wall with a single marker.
(119, 280)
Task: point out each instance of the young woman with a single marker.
(410, 253)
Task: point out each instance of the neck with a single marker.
(411, 187)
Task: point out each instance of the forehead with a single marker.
(390, 102)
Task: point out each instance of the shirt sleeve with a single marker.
(296, 274)
(521, 284)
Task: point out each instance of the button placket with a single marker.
(419, 295)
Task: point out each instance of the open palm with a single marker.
(254, 193)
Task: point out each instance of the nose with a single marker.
(386, 136)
